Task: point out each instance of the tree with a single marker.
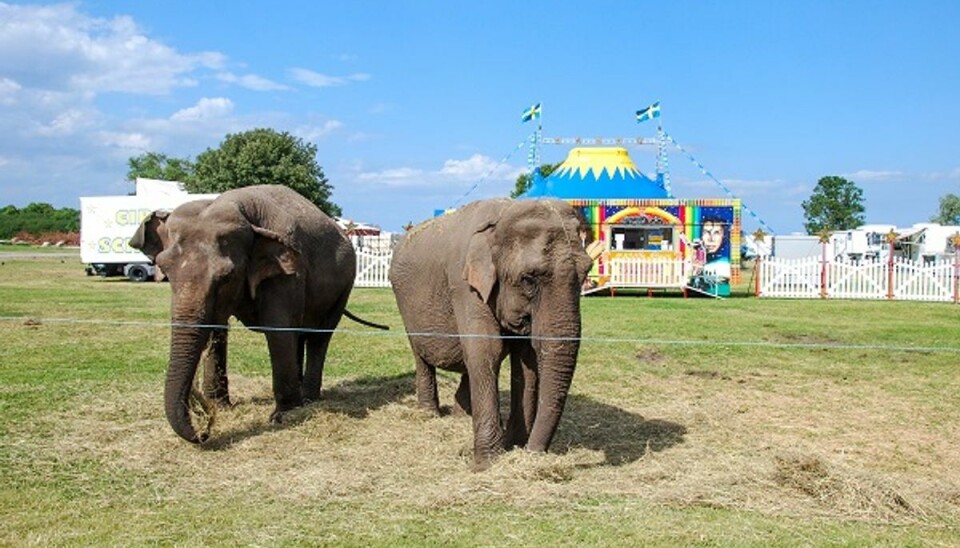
(36, 219)
(525, 180)
(949, 210)
(154, 165)
(263, 156)
(836, 204)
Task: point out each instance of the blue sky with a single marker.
(412, 104)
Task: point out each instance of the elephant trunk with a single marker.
(557, 343)
(187, 343)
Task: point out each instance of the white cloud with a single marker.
(479, 166)
(457, 173)
(8, 91)
(941, 176)
(204, 109)
(137, 142)
(317, 132)
(66, 123)
(56, 48)
(317, 80)
(871, 176)
(251, 81)
(401, 176)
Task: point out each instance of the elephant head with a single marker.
(216, 253)
(528, 265)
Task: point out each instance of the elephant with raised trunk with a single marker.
(265, 255)
(496, 278)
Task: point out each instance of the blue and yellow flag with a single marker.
(531, 113)
(653, 111)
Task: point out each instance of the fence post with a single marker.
(824, 235)
(758, 237)
(955, 240)
(891, 237)
(757, 270)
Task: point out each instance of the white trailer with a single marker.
(796, 246)
(108, 222)
(929, 242)
(867, 242)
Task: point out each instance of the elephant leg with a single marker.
(317, 346)
(215, 386)
(286, 372)
(523, 393)
(483, 367)
(461, 400)
(427, 396)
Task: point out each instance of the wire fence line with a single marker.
(37, 322)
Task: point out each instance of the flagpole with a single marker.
(539, 135)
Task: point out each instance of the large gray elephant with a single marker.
(263, 254)
(496, 268)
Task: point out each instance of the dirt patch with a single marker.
(803, 339)
(651, 356)
(707, 375)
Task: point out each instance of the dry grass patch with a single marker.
(739, 448)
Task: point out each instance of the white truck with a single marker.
(108, 222)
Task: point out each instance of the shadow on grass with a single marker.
(622, 436)
(355, 398)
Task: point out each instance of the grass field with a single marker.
(691, 422)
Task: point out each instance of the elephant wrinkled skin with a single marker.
(263, 254)
(495, 268)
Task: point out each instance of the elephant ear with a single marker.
(478, 269)
(272, 255)
(149, 236)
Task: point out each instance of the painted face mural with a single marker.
(713, 235)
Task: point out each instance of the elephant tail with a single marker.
(364, 322)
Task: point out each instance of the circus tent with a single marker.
(600, 173)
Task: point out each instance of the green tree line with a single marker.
(37, 218)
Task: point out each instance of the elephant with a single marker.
(496, 277)
(267, 256)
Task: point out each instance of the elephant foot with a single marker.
(223, 402)
(483, 461)
(430, 407)
(277, 416)
(481, 466)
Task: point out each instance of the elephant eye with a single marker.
(530, 282)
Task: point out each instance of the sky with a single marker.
(415, 106)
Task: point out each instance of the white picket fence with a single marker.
(901, 279)
(648, 271)
(372, 269)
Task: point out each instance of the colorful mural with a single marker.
(671, 226)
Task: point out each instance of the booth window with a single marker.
(641, 238)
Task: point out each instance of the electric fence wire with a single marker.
(38, 322)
